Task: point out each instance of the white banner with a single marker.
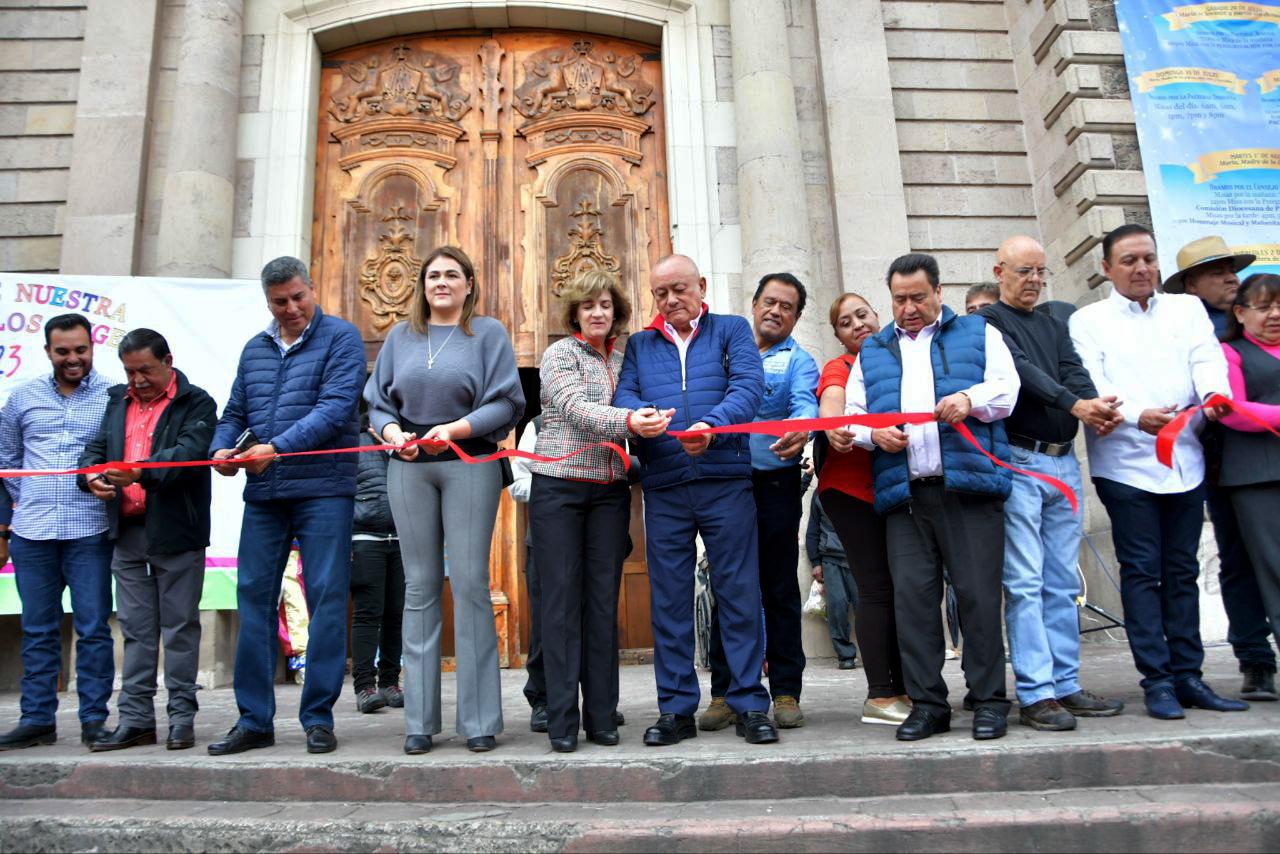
(206, 322)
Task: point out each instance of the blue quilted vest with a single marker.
(959, 359)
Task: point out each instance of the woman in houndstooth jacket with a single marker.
(579, 510)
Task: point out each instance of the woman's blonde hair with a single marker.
(420, 306)
(589, 285)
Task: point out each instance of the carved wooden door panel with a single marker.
(541, 154)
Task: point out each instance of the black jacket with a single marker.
(177, 499)
(373, 510)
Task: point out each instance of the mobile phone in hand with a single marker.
(246, 441)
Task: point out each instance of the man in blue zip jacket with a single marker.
(706, 367)
(942, 499)
(296, 389)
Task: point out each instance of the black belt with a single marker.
(1049, 449)
(934, 480)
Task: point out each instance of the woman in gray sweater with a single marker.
(446, 374)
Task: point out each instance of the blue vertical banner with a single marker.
(1205, 84)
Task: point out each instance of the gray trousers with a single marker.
(451, 507)
(1258, 509)
(157, 597)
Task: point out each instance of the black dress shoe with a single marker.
(181, 737)
(606, 737)
(92, 731)
(28, 735)
(320, 739)
(1259, 683)
(756, 728)
(481, 744)
(416, 745)
(619, 719)
(538, 719)
(568, 744)
(239, 740)
(125, 736)
(922, 723)
(989, 723)
(671, 729)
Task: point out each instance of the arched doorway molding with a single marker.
(309, 28)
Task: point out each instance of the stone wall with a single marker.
(40, 47)
(964, 166)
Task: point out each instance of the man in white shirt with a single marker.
(1156, 352)
(942, 499)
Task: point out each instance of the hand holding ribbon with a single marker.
(1168, 435)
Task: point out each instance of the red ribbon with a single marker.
(1169, 433)
(874, 421)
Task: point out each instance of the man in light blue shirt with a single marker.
(791, 382)
(59, 535)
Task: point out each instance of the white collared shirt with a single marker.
(682, 343)
(992, 399)
(1164, 356)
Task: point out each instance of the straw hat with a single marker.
(1206, 250)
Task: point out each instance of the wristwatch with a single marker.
(4, 535)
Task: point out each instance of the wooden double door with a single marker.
(541, 154)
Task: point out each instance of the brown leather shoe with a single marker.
(1046, 715)
(786, 712)
(717, 716)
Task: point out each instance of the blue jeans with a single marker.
(1157, 537)
(43, 569)
(323, 529)
(1041, 548)
(724, 513)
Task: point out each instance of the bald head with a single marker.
(1020, 271)
(678, 291)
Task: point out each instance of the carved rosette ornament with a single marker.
(387, 279)
(586, 249)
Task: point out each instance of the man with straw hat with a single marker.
(1207, 268)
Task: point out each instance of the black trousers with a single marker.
(862, 533)
(966, 533)
(579, 543)
(535, 685)
(777, 494)
(377, 594)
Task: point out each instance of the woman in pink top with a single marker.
(1250, 454)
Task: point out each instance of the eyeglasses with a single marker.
(1265, 309)
(1026, 272)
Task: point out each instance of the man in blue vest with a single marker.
(296, 390)
(790, 380)
(707, 369)
(943, 500)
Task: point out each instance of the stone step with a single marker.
(1235, 818)
(944, 765)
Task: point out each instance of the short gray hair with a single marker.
(284, 269)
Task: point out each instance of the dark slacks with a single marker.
(323, 529)
(157, 597)
(862, 533)
(579, 543)
(778, 509)
(1248, 630)
(724, 514)
(535, 685)
(1156, 538)
(1258, 508)
(966, 533)
(377, 599)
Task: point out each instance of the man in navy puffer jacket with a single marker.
(707, 368)
(296, 388)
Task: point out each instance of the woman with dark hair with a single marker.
(844, 488)
(580, 509)
(446, 374)
(1251, 455)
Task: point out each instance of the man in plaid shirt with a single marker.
(59, 535)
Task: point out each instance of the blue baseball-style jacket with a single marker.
(720, 381)
(790, 386)
(302, 400)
